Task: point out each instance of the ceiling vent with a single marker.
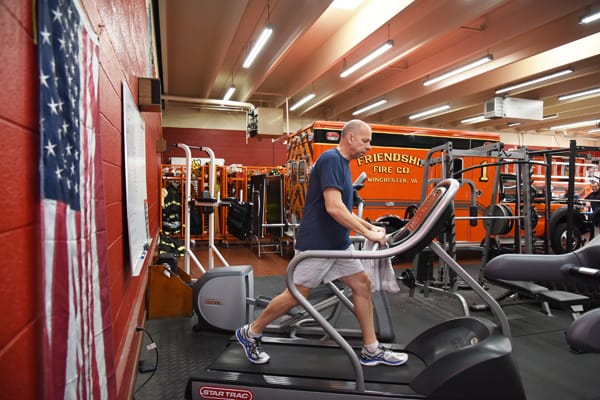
(514, 108)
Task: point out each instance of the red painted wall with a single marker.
(229, 145)
(123, 57)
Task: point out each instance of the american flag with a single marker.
(78, 349)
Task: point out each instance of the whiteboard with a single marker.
(134, 138)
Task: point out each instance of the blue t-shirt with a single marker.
(318, 230)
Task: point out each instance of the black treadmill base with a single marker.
(326, 363)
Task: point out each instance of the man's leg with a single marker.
(278, 306)
(249, 335)
(373, 353)
(363, 304)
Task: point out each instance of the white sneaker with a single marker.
(252, 347)
(382, 356)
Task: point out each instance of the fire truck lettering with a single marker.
(389, 157)
(388, 180)
(382, 169)
(402, 170)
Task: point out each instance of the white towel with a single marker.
(380, 272)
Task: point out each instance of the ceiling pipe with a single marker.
(211, 102)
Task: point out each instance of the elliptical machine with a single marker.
(468, 358)
(224, 299)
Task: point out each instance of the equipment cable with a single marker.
(151, 346)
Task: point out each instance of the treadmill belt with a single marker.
(314, 362)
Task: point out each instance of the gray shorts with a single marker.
(310, 272)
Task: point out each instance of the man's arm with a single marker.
(338, 211)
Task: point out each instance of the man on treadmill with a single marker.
(327, 220)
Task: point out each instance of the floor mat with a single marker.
(549, 370)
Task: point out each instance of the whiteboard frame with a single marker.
(134, 148)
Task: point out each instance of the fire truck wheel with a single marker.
(558, 239)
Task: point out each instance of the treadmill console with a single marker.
(429, 220)
(425, 209)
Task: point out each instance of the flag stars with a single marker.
(57, 15)
(44, 79)
(53, 107)
(45, 36)
(50, 148)
(58, 172)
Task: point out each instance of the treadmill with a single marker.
(463, 358)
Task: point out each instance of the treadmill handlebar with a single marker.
(432, 209)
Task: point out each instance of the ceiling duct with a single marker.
(225, 105)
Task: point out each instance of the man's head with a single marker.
(356, 139)
(594, 185)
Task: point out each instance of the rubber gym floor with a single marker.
(549, 369)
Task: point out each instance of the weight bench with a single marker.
(523, 273)
(538, 293)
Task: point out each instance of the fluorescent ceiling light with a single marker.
(590, 18)
(370, 106)
(429, 112)
(229, 93)
(579, 94)
(302, 101)
(473, 120)
(370, 57)
(575, 125)
(511, 124)
(594, 131)
(262, 40)
(459, 70)
(534, 81)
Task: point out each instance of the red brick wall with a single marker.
(229, 145)
(123, 57)
(20, 321)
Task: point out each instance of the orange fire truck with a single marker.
(396, 172)
(405, 162)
